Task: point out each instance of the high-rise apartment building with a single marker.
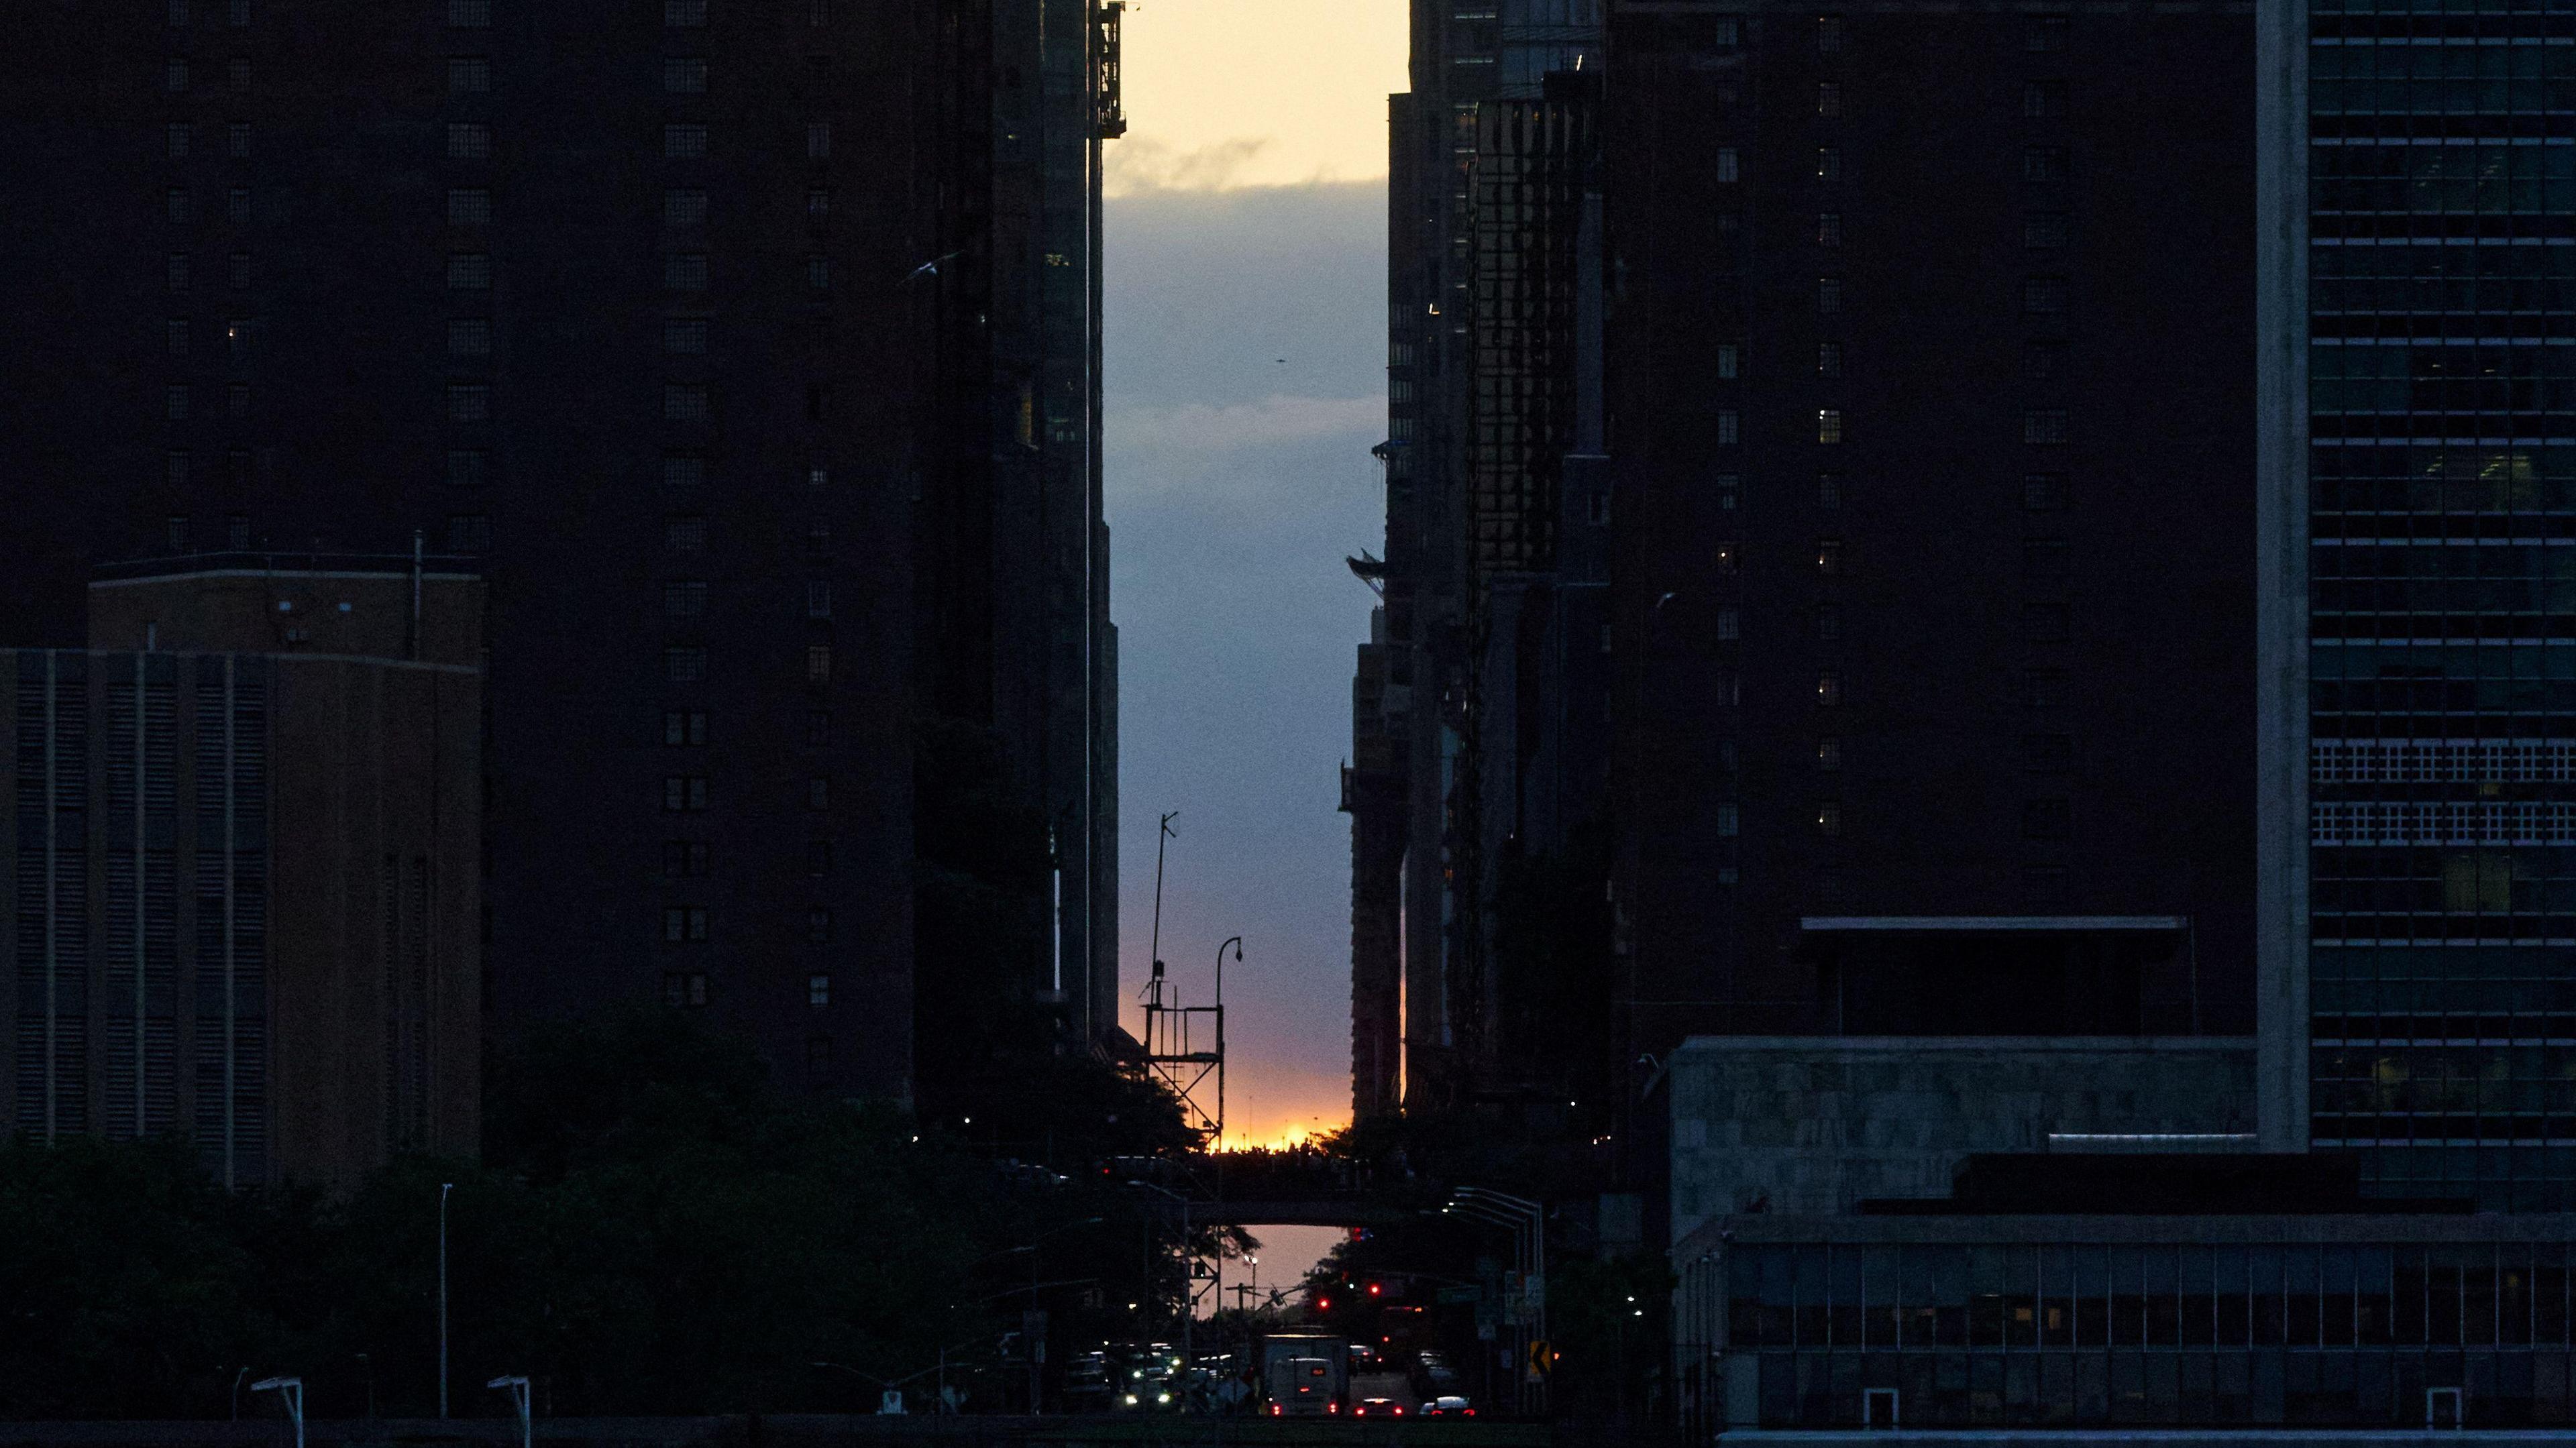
(244, 830)
(655, 308)
(1931, 416)
(2419, 467)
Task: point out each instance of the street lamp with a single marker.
(443, 1189)
(518, 1391)
(290, 1391)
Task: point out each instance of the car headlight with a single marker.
(1131, 1400)
(1162, 1397)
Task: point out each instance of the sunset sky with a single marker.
(1245, 326)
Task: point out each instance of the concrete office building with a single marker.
(244, 832)
(2419, 463)
(659, 310)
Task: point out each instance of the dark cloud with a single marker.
(1236, 484)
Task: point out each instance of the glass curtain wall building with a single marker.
(2421, 163)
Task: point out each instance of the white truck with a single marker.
(1305, 1374)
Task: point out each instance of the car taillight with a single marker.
(1471, 1412)
(1332, 1407)
(1274, 1410)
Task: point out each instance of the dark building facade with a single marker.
(637, 303)
(2420, 463)
(246, 890)
(1931, 424)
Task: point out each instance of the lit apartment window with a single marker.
(818, 598)
(1829, 557)
(1829, 425)
(818, 990)
(178, 138)
(174, 77)
(818, 793)
(1730, 165)
(2044, 425)
(686, 533)
(1730, 624)
(468, 468)
(684, 728)
(1829, 296)
(1728, 485)
(1730, 819)
(469, 337)
(1829, 359)
(684, 14)
(817, 478)
(685, 75)
(684, 664)
(1829, 163)
(1829, 817)
(684, 142)
(468, 75)
(469, 271)
(469, 14)
(1829, 228)
(818, 273)
(682, 402)
(685, 271)
(1829, 753)
(1727, 557)
(1829, 34)
(469, 206)
(1729, 426)
(818, 663)
(469, 402)
(468, 141)
(818, 140)
(1829, 98)
(683, 470)
(1829, 689)
(1730, 360)
(684, 336)
(684, 598)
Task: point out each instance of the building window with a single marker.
(177, 273)
(818, 208)
(2046, 559)
(818, 140)
(684, 14)
(1829, 623)
(1829, 296)
(2043, 100)
(818, 728)
(1730, 819)
(2043, 361)
(469, 402)
(1730, 165)
(684, 923)
(818, 663)
(237, 206)
(174, 402)
(818, 536)
(174, 469)
(237, 75)
(1829, 98)
(818, 926)
(1829, 557)
(684, 142)
(1829, 817)
(1829, 490)
(2043, 885)
(1728, 485)
(2045, 623)
(817, 478)
(467, 141)
(1829, 163)
(1829, 359)
(179, 137)
(237, 531)
(2043, 230)
(685, 533)
(237, 270)
(683, 402)
(178, 206)
(818, 1056)
(816, 394)
(818, 598)
(469, 337)
(1829, 228)
(237, 399)
(684, 598)
(684, 664)
(469, 206)
(818, 858)
(2044, 33)
(1726, 558)
(818, 273)
(469, 14)
(1729, 426)
(685, 271)
(684, 728)
(683, 470)
(684, 207)
(2044, 425)
(2043, 296)
(818, 13)
(468, 75)
(1829, 425)
(684, 793)
(2044, 688)
(684, 336)
(1730, 361)
(2047, 753)
(1829, 35)
(818, 793)
(684, 859)
(685, 75)
(469, 271)
(179, 14)
(2045, 819)
(469, 533)
(2043, 163)
(175, 337)
(1829, 689)
(1829, 753)
(468, 467)
(1730, 624)
(174, 77)
(2043, 492)
(818, 990)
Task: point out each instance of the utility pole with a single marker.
(443, 1189)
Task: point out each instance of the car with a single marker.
(1381, 1407)
(1448, 1405)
